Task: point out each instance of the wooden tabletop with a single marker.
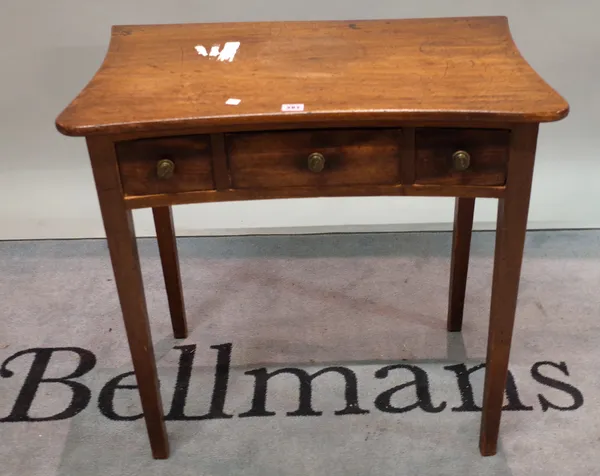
(169, 76)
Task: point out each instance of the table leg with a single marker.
(167, 246)
(120, 235)
(510, 239)
(459, 265)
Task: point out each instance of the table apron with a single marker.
(209, 196)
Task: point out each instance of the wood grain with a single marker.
(191, 155)
(280, 159)
(120, 235)
(408, 155)
(145, 201)
(167, 247)
(267, 125)
(459, 263)
(510, 239)
(387, 103)
(219, 162)
(454, 69)
(434, 149)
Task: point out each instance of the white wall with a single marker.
(50, 49)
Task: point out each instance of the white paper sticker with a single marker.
(292, 107)
(233, 101)
(201, 50)
(229, 50)
(226, 54)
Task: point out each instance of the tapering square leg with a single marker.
(167, 246)
(120, 235)
(510, 240)
(459, 264)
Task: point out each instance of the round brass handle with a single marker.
(316, 162)
(461, 160)
(165, 169)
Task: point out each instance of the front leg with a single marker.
(120, 235)
(510, 240)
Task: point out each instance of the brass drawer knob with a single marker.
(461, 160)
(316, 162)
(165, 169)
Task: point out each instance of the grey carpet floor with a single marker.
(372, 305)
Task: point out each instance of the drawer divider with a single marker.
(407, 156)
(219, 162)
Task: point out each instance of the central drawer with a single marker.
(314, 158)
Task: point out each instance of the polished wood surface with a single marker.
(387, 104)
(513, 209)
(488, 150)
(191, 156)
(219, 160)
(167, 247)
(145, 201)
(459, 263)
(122, 246)
(455, 69)
(280, 159)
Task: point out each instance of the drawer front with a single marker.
(314, 158)
(487, 150)
(165, 165)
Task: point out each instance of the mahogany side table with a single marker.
(197, 113)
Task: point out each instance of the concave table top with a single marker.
(447, 69)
